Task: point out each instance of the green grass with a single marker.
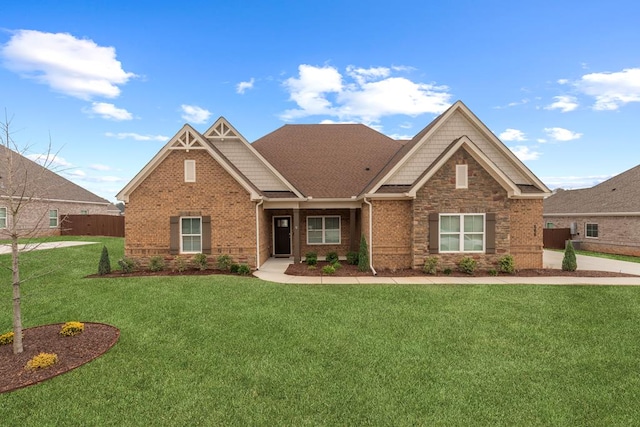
(223, 350)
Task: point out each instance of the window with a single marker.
(189, 171)
(3, 217)
(191, 235)
(462, 176)
(323, 230)
(592, 230)
(53, 218)
(84, 212)
(549, 225)
(462, 233)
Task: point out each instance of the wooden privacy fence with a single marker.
(92, 225)
(555, 238)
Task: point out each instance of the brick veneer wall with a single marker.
(616, 235)
(392, 231)
(216, 193)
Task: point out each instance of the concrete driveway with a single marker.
(6, 249)
(553, 259)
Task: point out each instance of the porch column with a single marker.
(296, 236)
(353, 244)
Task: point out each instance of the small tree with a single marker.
(104, 267)
(363, 255)
(569, 262)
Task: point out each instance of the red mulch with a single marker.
(72, 352)
(347, 270)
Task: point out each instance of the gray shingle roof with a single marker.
(616, 195)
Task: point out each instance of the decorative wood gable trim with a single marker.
(188, 139)
(222, 130)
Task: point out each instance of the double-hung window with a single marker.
(53, 218)
(191, 234)
(591, 230)
(323, 230)
(462, 233)
(3, 217)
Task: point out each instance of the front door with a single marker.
(281, 236)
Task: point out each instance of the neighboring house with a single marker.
(603, 218)
(453, 190)
(47, 197)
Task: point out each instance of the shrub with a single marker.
(127, 265)
(224, 262)
(331, 257)
(431, 265)
(507, 264)
(336, 265)
(201, 261)
(234, 268)
(70, 329)
(311, 258)
(180, 264)
(569, 262)
(467, 265)
(312, 267)
(41, 361)
(352, 258)
(328, 269)
(447, 271)
(244, 270)
(156, 263)
(104, 266)
(492, 272)
(6, 338)
(363, 255)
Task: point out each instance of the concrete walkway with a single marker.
(6, 249)
(273, 271)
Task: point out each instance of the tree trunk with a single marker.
(17, 316)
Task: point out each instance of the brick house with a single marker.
(603, 218)
(453, 190)
(50, 197)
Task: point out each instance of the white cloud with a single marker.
(243, 86)
(563, 103)
(136, 136)
(574, 182)
(541, 140)
(612, 90)
(561, 134)
(195, 114)
(406, 125)
(362, 94)
(48, 160)
(512, 135)
(78, 173)
(109, 111)
(563, 81)
(524, 153)
(72, 66)
(99, 167)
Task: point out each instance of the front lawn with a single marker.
(218, 350)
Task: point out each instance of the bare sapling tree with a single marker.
(23, 208)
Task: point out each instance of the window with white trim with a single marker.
(191, 235)
(591, 230)
(189, 171)
(462, 176)
(3, 217)
(462, 233)
(53, 218)
(323, 230)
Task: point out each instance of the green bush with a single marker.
(180, 264)
(328, 269)
(447, 271)
(234, 268)
(431, 265)
(336, 265)
(492, 272)
(244, 270)
(127, 265)
(569, 262)
(156, 263)
(311, 258)
(224, 262)
(467, 265)
(352, 258)
(363, 255)
(104, 266)
(331, 257)
(507, 264)
(201, 261)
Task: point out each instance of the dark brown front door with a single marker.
(281, 235)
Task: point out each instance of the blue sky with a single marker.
(108, 83)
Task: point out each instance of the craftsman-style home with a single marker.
(453, 190)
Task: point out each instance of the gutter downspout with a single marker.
(373, 270)
(258, 234)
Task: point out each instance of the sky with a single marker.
(107, 83)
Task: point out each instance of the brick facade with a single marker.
(392, 234)
(164, 193)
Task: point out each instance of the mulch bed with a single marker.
(72, 352)
(148, 273)
(347, 270)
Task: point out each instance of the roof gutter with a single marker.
(373, 270)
